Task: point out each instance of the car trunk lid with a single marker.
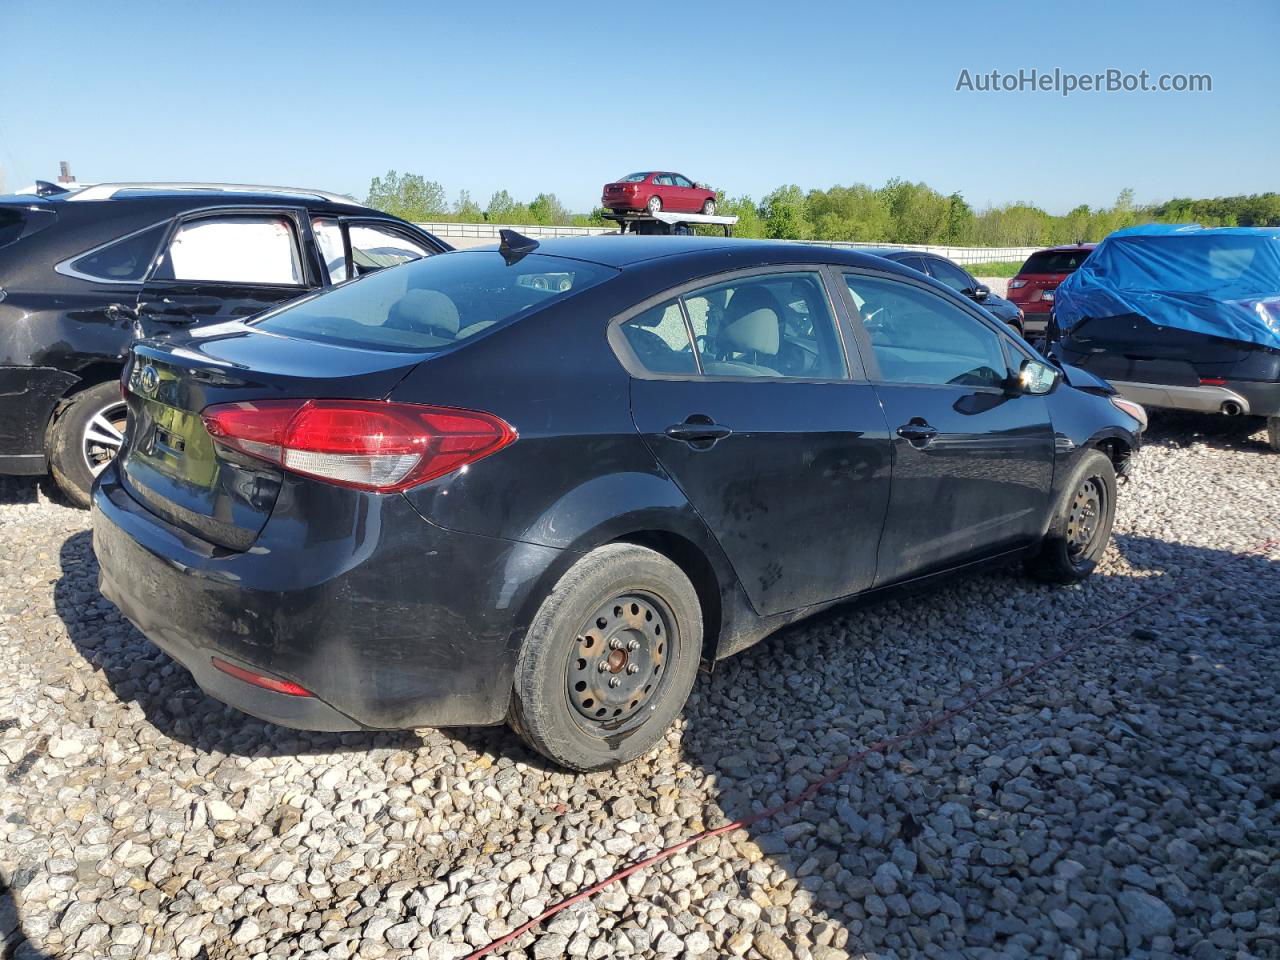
(170, 462)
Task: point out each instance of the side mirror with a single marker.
(1036, 378)
(981, 292)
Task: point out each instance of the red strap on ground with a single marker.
(883, 746)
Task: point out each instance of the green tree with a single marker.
(785, 215)
(409, 196)
(547, 209)
(466, 209)
(958, 230)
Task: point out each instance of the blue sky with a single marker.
(564, 96)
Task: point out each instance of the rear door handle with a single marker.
(697, 432)
(917, 433)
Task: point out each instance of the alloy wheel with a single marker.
(103, 436)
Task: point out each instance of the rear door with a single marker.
(972, 460)
(226, 264)
(742, 390)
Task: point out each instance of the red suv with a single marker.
(656, 191)
(1032, 289)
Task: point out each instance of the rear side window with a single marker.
(125, 260)
(776, 325)
(234, 249)
(435, 302)
(16, 223)
(1055, 261)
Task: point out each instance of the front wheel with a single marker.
(1081, 525)
(84, 438)
(709, 208)
(609, 660)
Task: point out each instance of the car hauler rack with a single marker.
(663, 222)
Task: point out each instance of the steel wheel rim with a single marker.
(103, 436)
(620, 661)
(1084, 519)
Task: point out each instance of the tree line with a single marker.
(898, 212)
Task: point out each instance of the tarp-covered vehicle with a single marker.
(1182, 317)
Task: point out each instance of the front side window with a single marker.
(434, 302)
(374, 247)
(233, 249)
(124, 261)
(951, 275)
(680, 181)
(919, 337)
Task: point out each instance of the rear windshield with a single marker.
(632, 178)
(433, 303)
(1055, 261)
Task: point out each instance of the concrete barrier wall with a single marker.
(465, 235)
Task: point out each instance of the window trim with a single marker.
(863, 339)
(631, 363)
(65, 267)
(295, 216)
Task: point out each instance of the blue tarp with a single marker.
(1222, 281)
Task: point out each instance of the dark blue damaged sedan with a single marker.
(540, 483)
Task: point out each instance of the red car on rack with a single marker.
(1033, 288)
(656, 191)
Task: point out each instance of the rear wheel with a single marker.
(1273, 432)
(1081, 525)
(709, 208)
(84, 438)
(609, 659)
(654, 205)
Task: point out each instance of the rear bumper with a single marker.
(1238, 397)
(391, 621)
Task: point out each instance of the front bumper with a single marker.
(1232, 397)
(391, 621)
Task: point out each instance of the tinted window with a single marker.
(776, 325)
(915, 263)
(660, 340)
(11, 224)
(374, 247)
(1061, 261)
(247, 249)
(123, 261)
(435, 302)
(948, 273)
(918, 337)
(332, 252)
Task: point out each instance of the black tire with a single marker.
(709, 208)
(1273, 432)
(1081, 526)
(77, 442)
(566, 654)
(654, 205)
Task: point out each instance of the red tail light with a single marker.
(366, 444)
(1212, 381)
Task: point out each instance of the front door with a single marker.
(972, 458)
(224, 266)
(744, 396)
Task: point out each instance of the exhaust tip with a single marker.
(1231, 408)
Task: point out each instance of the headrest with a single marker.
(428, 308)
(756, 331)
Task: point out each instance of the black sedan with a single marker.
(960, 280)
(540, 483)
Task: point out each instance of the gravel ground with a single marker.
(1125, 802)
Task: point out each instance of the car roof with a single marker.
(203, 194)
(1067, 248)
(622, 251)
